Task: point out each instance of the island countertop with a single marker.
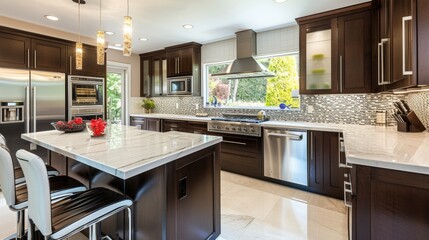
(123, 151)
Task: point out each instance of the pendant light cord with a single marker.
(128, 7)
(78, 16)
(100, 14)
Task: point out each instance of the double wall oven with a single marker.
(85, 97)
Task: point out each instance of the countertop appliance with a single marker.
(241, 124)
(85, 97)
(285, 155)
(30, 101)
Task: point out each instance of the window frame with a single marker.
(205, 89)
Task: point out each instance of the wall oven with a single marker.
(85, 97)
(180, 86)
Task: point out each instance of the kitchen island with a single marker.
(173, 177)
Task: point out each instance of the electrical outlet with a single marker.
(177, 105)
(197, 106)
(310, 109)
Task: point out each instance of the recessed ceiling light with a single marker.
(143, 39)
(118, 45)
(188, 26)
(109, 33)
(52, 18)
(280, 1)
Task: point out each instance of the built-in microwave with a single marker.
(180, 85)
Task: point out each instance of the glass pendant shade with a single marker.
(128, 29)
(79, 53)
(100, 47)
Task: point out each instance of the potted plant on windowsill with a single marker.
(148, 105)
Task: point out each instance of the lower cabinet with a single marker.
(192, 189)
(174, 125)
(150, 124)
(390, 204)
(325, 176)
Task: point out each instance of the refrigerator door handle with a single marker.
(27, 109)
(34, 109)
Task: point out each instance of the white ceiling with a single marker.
(161, 21)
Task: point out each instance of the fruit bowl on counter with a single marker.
(75, 125)
(96, 127)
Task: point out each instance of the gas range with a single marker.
(242, 124)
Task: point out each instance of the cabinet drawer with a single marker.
(241, 145)
(246, 165)
(173, 125)
(197, 127)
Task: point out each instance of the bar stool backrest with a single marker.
(39, 198)
(7, 176)
(2, 140)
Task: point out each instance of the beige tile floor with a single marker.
(254, 209)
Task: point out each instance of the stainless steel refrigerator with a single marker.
(29, 102)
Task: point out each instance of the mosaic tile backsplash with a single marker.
(350, 108)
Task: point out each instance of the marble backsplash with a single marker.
(340, 108)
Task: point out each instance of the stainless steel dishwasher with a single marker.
(285, 155)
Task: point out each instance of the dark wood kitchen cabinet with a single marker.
(402, 44)
(153, 74)
(193, 187)
(174, 125)
(325, 176)
(150, 124)
(89, 62)
(180, 59)
(389, 204)
(335, 51)
(21, 51)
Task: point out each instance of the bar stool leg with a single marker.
(95, 232)
(20, 224)
(130, 224)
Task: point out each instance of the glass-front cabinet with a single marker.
(318, 43)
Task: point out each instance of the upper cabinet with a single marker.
(402, 44)
(23, 52)
(89, 62)
(335, 51)
(182, 59)
(153, 74)
(176, 61)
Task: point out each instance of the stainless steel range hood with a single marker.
(245, 66)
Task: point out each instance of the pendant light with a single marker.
(79, 50)
(100, 43)
(128, 29)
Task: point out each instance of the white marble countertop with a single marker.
(124, 151)
(366, 145)
(173, 117)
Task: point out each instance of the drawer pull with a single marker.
(232, 142)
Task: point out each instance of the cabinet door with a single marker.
(48, 56)
(185, 62)
(145, 77)
(354, 43)
(384, 44)
(89, 62)
(402, 21)
(139, 122)
(14, 51)
(195, 199)
(325, 176)
(319, 58)
(172, 63)
(153, 124)
(316, 168)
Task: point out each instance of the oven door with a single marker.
(86, 93)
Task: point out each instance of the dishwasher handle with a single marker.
(296, 137)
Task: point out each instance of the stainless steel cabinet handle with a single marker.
(290, 136)
(28, 58)
(311, 146)
(404, 71)
(70, 65)
(232, 142)
(379, 46)
(383, 41)
(27, 109)
(347, 194)
(341, 73)
(34, 109)
(35, 58)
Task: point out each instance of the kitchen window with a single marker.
(267, 92)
